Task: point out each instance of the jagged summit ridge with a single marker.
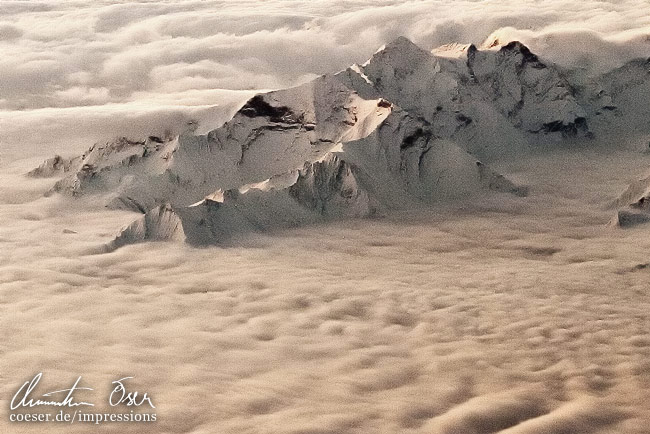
(271, 134)
(400, 130)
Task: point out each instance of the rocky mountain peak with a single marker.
(405, 127)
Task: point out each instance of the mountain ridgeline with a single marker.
(407, 128)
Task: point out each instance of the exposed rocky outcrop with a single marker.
(534, 96)
(158, 224)
(633, 205)
(54, 166)
(332, 188)
(629, 217)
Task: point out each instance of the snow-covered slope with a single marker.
(492, 102)
(534, 96)
(321, 190)
(403, 129)
(623, 96)
(623, 110)
(272, 134)
(400, 164)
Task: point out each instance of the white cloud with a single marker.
(8, 32)
(520, 313)
(69, 54)
(69, 131)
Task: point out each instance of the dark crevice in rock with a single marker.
(278, 127)
(421, 159)
(570, 129)
(256, 107)
(464, 120)
(132, 204)
(384, 104)
(413, 138)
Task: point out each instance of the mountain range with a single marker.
(407, 128)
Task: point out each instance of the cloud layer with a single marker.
(101, 53)
(525, 315)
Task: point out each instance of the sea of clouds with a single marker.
(499, 314)
(141, 67)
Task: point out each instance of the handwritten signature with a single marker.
(119, 395)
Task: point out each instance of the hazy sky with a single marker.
(139, 66)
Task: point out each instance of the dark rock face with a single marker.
(630, 217)
(412, 139)
(383, 103)
(257, 106)
(528, 56)
(571, 129)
